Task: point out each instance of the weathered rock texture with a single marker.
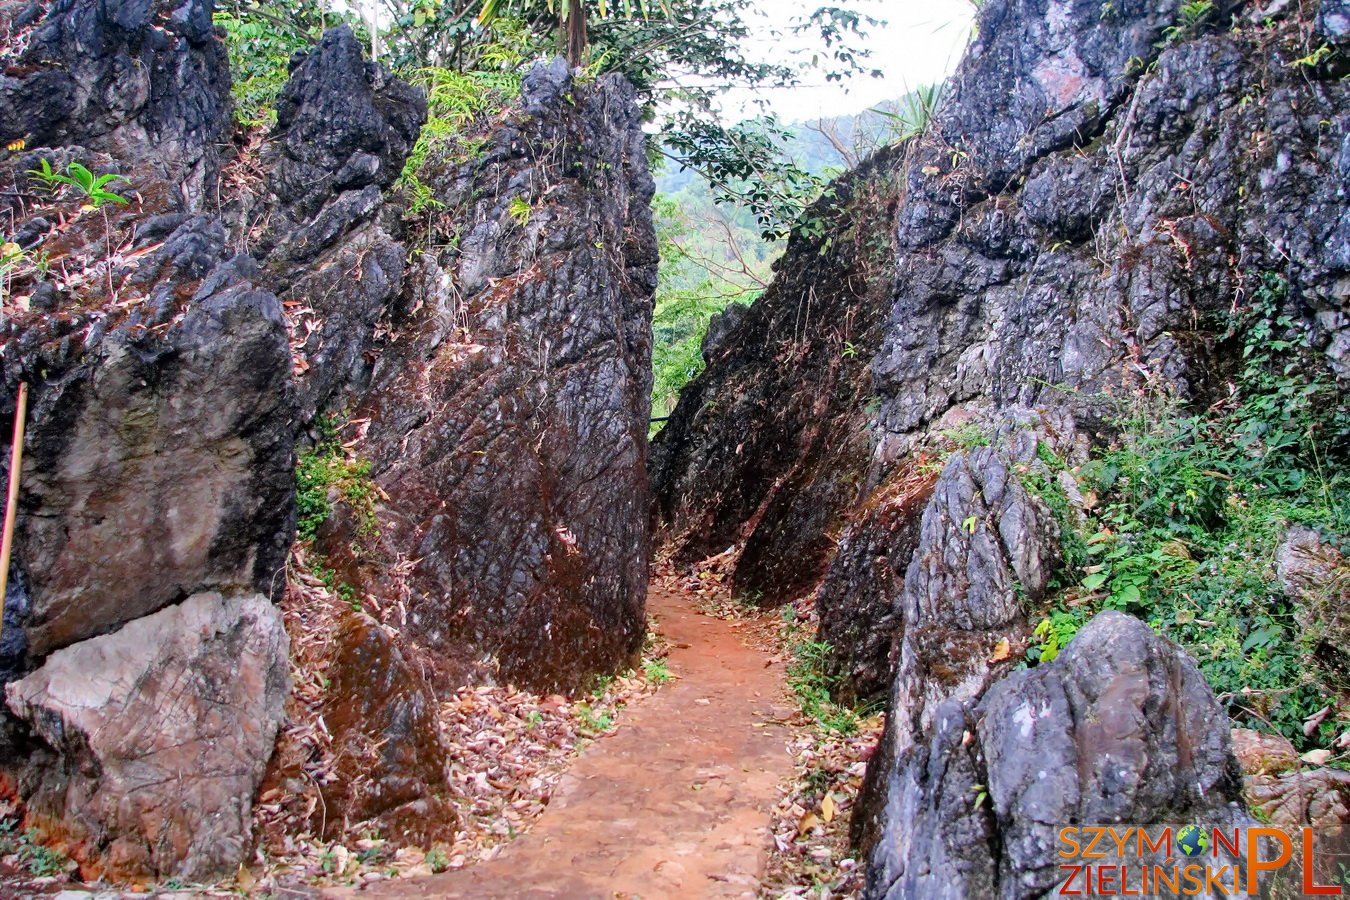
(144, 81)
(162, 731)
(1317, 578)
(509, 403)
(329, 242)
(157, 495)
(391, 764)
(1121, 728)
(1101, 185)
(770, 445)
(501, 390)
(158, 462)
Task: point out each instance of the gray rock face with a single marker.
(1317, 578)
(769, 445)
(986, 547)
(164, 730)
(1120, 728)
(508, 406)
(146, 666)
(140, 80)
(345, 127)
(720, 327)
(132, 496)
(1102, 184)
(1333, 21)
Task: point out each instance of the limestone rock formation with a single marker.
(146, 666)
(177, 346)
(329, 240)
(391, 769)
(508, 406)
(770, 445)
(1098, 185)
(1317, 577)
(114, 450)
(163, 730)
(144, 81)
(1121, 728)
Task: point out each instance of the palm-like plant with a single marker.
(572, 16)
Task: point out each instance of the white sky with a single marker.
(920, 43)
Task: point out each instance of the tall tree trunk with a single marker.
(576, 32)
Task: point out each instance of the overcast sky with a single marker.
(920, 44)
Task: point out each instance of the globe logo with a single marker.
(1192, 840)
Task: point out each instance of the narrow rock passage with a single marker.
(674, 804)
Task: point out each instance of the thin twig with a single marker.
(12, 504)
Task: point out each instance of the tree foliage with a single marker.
(681, 55)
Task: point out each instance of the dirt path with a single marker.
(674, 804)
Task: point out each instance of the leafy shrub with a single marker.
(455, 100)
(260, 48)
(40, 860)
(1186, 513)
(808, 678)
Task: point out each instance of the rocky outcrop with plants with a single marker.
(146, 662)
(508, 402)
(769, 447)
(1109, 377)
(195, 320)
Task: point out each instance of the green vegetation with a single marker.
(93, 188)
(593, 723)
(708, 260)
(656, 671)
(913, 114)
(455, 100)
(325, 468)
(260, 39)
(1192, 18)
(40, 861)
(679, 54)
(1187, 509)
(809, 681)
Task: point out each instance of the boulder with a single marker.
(331, 248)
(1263, 754)
(164, 730)
(159, 460)
(1317, 578)
(391, 763)
(1120, 728)
(508, 407)
(1317, 797)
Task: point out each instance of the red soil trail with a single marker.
(674, 804)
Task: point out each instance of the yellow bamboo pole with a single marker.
(12, 503)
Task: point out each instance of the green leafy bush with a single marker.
(455, 100)
(809, 681)
(1187, 510)
(260, 46)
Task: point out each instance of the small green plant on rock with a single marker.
(327, 468)
(520, 211)
(437, 860)
(92, 188)
(808, 678)
(656, 671)
(40, 860)
(1191, 19)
